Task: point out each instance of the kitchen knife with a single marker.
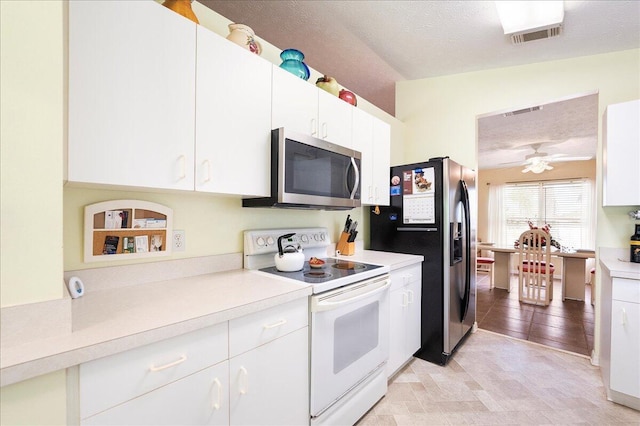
(347, 224)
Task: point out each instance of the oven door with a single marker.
(349, 338)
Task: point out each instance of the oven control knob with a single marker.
(316, 237)
(304, 238)
(260, 241)
(322, 236)
(270, 241)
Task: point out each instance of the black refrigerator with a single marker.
(433, 213)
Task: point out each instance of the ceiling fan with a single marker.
(536, 162)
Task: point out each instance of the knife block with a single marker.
(345, 248)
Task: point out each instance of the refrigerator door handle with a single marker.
(467, 236)
(406, 229)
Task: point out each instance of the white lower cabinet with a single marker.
(620, 339)
(199, 399)
(404, 333)
(269, 366)
(270, 384)
(248, 371)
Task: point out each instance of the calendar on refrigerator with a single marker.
(418, 192)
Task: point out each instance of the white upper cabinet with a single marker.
(371, 137)
(294, 103)
(300, 106)
(233, 118)
(621, 148)
(334, 118)
(131, 95)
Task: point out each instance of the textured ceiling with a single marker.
(566, 130)
(369, 45)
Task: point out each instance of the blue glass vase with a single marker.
(292, 62)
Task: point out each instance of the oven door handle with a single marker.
(320, 304)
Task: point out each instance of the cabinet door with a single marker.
(294, 103)
(233, 118)
(371, 137)
(381, 148)
(414, 317)
(397, 330)
(131, 95)
(334, 118)
(270, 384)
(199, 399)
(625, 347)
(362, 141)
(621, 140)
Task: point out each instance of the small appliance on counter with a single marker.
(634, 243)
(348, 322)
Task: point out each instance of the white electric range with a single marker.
(349, 322)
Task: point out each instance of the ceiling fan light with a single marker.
(537, 166)
(519, 16)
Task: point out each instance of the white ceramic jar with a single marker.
(244, 36)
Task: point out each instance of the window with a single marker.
(565, 205)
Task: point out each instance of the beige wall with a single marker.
(440, 115)
(569, 170)
(32, 88)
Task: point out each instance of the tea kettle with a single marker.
(290, 258)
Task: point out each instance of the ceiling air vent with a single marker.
(522, 111)
(536, 35)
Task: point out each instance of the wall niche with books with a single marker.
(126, 229)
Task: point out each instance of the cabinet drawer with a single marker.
(265, 326)
(406, 275)
(199, 399)
(626, 290)
(111, 380)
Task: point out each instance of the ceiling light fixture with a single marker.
(537, 165)
(531, 20)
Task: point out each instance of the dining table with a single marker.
(573, 269)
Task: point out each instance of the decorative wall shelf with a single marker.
(126, 229)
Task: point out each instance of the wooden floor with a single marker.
(567, 325)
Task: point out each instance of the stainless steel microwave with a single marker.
(310, 173)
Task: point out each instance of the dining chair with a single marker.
(485, 264)
(535, 277)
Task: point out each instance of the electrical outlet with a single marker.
(179, 241)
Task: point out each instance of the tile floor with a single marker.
(496, 379)
(567, 325)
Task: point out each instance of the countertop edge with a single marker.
(45, 353)
(74, 355)
(611, 259)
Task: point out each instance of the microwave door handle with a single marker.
(352, 193)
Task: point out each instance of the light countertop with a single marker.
(393, 260)
(44, 337)
(616, 262)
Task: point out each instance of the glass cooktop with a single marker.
(333, 269)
